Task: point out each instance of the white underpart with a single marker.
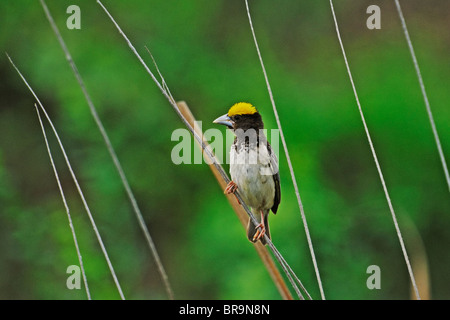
(252, 172)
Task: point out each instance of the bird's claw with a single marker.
(231, 188)
(260, 232)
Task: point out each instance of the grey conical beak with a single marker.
(225, 120)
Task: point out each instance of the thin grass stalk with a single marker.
(375, 158)
(113, 155)
(66, 206)
(75, 180)
(424, 94)
(288, 158)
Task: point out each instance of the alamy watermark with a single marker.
(74, 280)
(374, 20)
(74, 20)
(374, 280)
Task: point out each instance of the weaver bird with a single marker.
(253, 167)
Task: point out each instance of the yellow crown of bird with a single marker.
(241, 108)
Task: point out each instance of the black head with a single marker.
(243, 116)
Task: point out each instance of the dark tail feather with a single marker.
(251, 230)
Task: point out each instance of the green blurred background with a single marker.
(207, 56)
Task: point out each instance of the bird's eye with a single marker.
(237, 118)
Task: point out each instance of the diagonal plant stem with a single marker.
(210, 155)
(424, 93)
(375, 158)
(80, 192)
(74, 236)
(113, 155)
(291, 168)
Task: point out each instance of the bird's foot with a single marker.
(231, 188)
(260, 232)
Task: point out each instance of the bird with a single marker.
(253, 167)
